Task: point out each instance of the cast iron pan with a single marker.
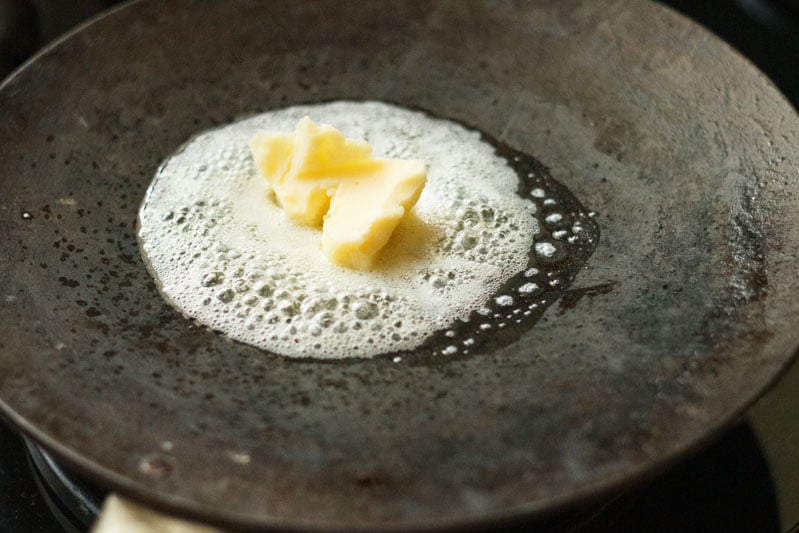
(685, 151)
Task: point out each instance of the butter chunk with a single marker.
(364, 212)
(322, 178)
(305, 168)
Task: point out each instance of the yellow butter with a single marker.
(303, 169)
(322, 178)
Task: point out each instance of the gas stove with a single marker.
(748, 480)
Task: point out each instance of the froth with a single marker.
(225, 254)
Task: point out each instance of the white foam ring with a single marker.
(226, 255)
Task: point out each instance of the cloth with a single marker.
(123, 516)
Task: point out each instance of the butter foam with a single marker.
(225, 254)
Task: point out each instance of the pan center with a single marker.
(488, 243)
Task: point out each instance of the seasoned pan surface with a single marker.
(683, 315)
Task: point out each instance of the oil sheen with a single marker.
(225, 254)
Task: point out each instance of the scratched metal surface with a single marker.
(683, 315)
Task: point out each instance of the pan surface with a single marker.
(684, 314)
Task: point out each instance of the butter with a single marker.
(320, 177)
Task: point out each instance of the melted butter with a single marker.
(226, 254)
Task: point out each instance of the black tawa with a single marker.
(682, 317)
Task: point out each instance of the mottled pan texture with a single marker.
(685, 312)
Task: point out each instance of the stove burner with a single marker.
(73, 502)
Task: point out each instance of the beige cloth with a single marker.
(122, 516)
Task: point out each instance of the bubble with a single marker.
(287, 307)
(212, 278)
(254, 275)
(324, 318)
(545, 249)
(438, 282)
(241, 285)
(311, 306)
(365, 309)
(469, 217)
(225, 295)
(504, 300)
(265, 289)
(276, 274)
(529, 288)
(466, 240)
